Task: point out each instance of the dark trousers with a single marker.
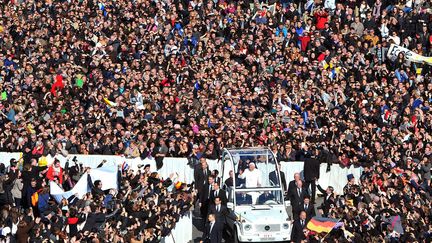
(36, 212)
(204, 209)
(296, 213)
(3, 200)
(312, 192)
(17, 202)
(159, 162)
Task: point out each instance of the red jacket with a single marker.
(38, 150)
(57, 85)
(50, 174)
(321, 57)
(304, 42)
(321, 18)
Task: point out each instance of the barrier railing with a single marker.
(336, 177)
(182, 231)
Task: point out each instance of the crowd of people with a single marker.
(150, 79)
(142, 208)
(154, 79)
(386, 204)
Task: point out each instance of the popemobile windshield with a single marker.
(255, 196)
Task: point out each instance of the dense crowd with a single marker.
(143, 207)
(151, 79)
(155, 79)
(386, 204)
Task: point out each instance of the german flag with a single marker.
(321, 224)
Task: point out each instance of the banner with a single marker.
(411, 56)
(107, 175)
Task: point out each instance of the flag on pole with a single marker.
(110, 103)
(125, 166)
(321, 224)
(347, 234)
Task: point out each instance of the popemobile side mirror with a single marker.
(230, 205)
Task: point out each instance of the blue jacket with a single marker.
(283, 31)
(43, 202)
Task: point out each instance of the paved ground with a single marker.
(198, 223)
(198, 226)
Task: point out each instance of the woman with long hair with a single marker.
(24, 228)
(30, 195)
(17, 187)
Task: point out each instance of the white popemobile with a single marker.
(257, 212)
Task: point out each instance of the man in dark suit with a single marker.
(201, 174)
(243, 198)
(213, 231)
(297, 197)
(311, 173)
(217, 192)
(299, 225)
(219, 210)
(230, 181)
(265, 197)
(292, 185)
(274, 177)
(205, 196)
(329, 199)
(215, 173)
(306, 206)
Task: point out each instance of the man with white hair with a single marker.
(252, 176)
(292, 185)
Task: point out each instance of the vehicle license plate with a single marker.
(267, 236)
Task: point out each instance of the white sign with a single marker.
(411, 56)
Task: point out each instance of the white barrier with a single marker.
(290, 168)
(178, 165)
(182, 232)
(336, 177)
(175, 165)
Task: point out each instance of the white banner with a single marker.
(411, 56)
(107, 175)
(81, 188)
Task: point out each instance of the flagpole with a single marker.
(329, 231)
